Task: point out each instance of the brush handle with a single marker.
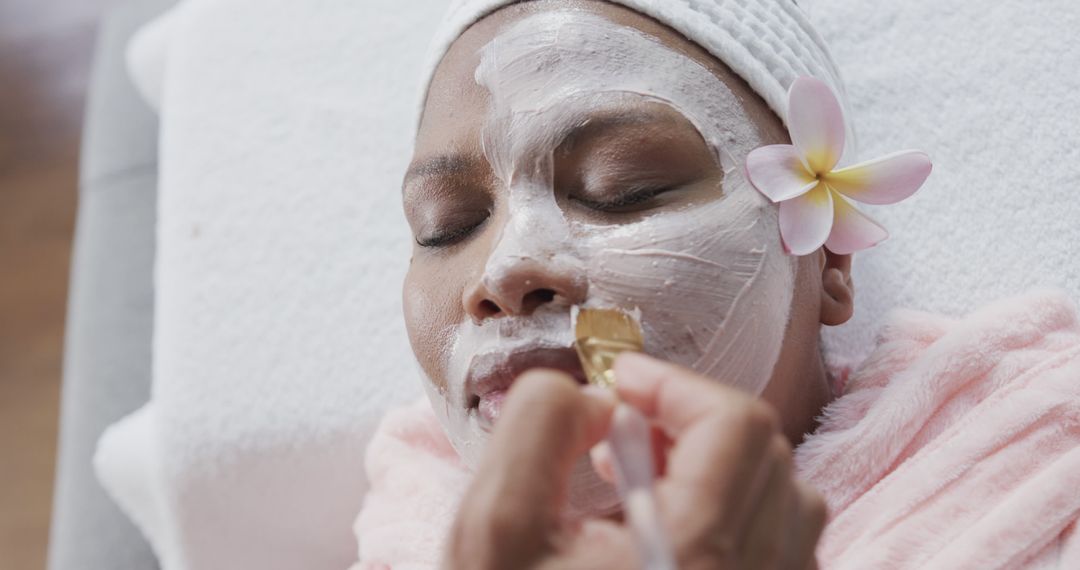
(630, 439)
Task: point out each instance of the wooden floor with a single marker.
(45, 52)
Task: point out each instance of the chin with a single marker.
(588, 494)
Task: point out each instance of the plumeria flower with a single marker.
(816, 201)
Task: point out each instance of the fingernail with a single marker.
(599, 393)
(600, 455)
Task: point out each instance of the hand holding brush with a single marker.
(727, 498)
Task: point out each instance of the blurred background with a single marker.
(46, 47)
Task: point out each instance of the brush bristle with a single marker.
(603, 334)
(609, 324)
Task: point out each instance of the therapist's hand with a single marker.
(727, 495)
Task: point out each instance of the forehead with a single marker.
(456, 105)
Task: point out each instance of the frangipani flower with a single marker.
(816, 201)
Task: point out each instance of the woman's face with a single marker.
(578, 153)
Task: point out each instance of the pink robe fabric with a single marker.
(955, 445)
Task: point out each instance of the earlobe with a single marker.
(837, 290)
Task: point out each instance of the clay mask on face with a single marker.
(711, 281)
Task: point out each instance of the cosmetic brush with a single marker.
(601, 335)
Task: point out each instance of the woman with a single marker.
(585, 153)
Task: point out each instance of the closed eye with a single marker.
(451, 236)
(626, 201)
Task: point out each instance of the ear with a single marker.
(837, 291)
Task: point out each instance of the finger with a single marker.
(810, 523)
(766, 537)
(672, 395)
(516, 497)
(720, 434)
(721, 439)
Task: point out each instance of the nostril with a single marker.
(489, 309)
(534, 299)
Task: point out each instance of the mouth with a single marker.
(491, 374)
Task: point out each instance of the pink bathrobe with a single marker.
(955, 445)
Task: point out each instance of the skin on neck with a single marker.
(440, 293)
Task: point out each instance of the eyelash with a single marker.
(627, 199)
(632, 198)
(450, 237)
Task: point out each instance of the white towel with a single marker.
(768, 43)
(281, 248)
(991, 91)
(281, 244)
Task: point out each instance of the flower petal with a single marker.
(805, 221)
(852, 230)
(884, 180)
(777, 172)
(816, 123)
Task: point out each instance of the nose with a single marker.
(522, 286)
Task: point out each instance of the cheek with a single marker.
(685, 283)
(684, 298)
(432, 308)
(712, 284)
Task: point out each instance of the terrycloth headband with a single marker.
(766, 42)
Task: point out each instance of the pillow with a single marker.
(279, 341)
(147, 53)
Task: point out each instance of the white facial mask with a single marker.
(712, 282)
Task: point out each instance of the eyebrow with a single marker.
(451, 164)
(440, 165)
(596, 125)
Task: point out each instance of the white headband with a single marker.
(768, 43)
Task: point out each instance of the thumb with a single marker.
(547, 423)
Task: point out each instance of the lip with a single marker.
(492, 373)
